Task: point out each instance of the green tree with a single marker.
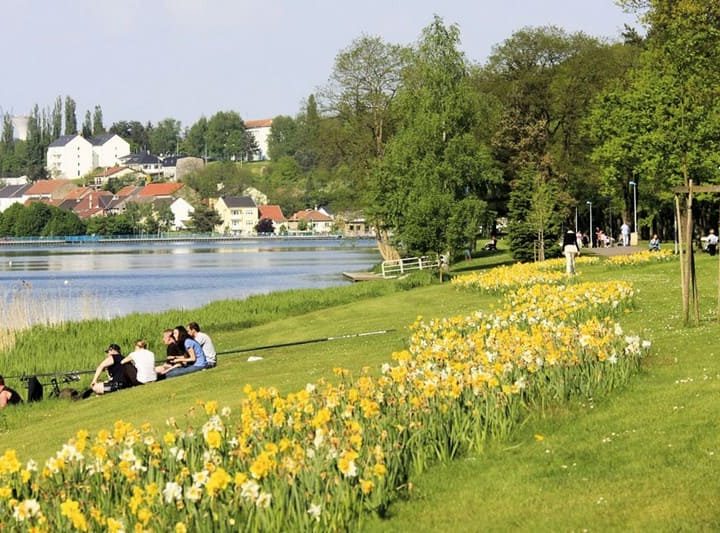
(31, 221)
(57, 116)
(436, 159)
(133, 132)
(227, 138)
(283, 139)
(365, 78)
(70, 117)
(62, 222)
(195, 142)
(98, 127)
(204, 219)
(87, 125)
(165, 137)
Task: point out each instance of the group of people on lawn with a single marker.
(187, 350)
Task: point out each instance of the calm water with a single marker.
(111, 280)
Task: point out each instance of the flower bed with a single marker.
(320, 458)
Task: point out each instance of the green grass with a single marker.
(644, 458)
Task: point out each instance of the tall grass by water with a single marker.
(36, 342)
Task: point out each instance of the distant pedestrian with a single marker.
(570, 250)
(625, 232)
(205, 342)
(8, 396)
(712, 242)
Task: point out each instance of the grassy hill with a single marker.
(644, 458)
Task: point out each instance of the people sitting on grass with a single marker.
(112, 364)
(8, 396)
(654, 244)
(144, 362)
(193, 359)
(205, 342)
(173, 352)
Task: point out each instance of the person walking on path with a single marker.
(625, 232)
(570, 249)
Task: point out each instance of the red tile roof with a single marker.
(273, 212)
(311, 214)
(262, 123)
(47, 186)
(78, 193)
(128, 190)
(161, 189)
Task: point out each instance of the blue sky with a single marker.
(151, 59)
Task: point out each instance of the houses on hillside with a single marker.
(72, 156)
(240, 215)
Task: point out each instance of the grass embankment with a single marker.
(39, 430)
(645, 458)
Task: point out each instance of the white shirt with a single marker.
(144, 361)
(712, 239)
(207, 345)
(625, 229)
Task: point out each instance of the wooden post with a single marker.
(680, 226)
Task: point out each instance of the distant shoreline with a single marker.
(130, 239)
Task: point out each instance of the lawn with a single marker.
(643, 458)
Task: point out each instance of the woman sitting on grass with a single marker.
(194, 356)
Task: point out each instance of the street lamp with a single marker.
(634, 187)
(591, 226)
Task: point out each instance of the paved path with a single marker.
(613, 250)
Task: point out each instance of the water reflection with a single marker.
(125, 279)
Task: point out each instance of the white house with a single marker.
(108, 148)
(69, 156)
(260, 130)
(182, 210)
(12, 194)
(72, 156)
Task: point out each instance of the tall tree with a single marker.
(87, 125)
(435, 160)
(70, 117)
(365, 78)
(97, 121)
(165, 137)
(227, 138)
(195, 142)
(133, 132)
(57, 116)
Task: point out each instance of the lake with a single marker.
(107, 280)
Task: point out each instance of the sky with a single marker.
(147, 60)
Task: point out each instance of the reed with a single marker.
(36, 343)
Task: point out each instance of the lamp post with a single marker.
(591, 226)
(634, 188)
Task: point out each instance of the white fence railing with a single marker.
(398, 267)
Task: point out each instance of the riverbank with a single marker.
(76, 240)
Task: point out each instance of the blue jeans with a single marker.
(183, 370)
